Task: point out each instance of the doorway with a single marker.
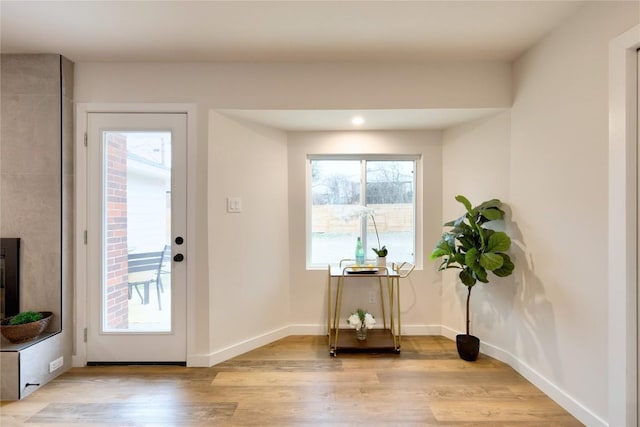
(136, 239)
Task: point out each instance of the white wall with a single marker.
(550, 318)
(420, 292)
(299, 86)
(623, 288)
(476, 161)
(286, 86)
(248, 251)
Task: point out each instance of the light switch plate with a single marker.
(234, 204)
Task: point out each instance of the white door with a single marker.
(136, 249)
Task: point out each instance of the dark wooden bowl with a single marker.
(26, 331)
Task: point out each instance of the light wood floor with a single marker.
(294, 382)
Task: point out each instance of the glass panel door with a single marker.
(137, 217)
(137, 255)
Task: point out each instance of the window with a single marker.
(348, 194)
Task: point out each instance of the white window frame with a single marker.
(417, 205)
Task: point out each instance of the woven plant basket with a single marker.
(26, 331)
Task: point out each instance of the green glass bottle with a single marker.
(359, 252)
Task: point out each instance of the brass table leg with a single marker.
(384, 316)
(329, 307)
(399, 321)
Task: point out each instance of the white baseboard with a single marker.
(198, 360)
(574, 407)
(78, 361)
(210, 359)
(406, 329)
(445, 331)
(237, 349)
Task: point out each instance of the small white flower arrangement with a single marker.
(361, 318)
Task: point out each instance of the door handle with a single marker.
(178, 257)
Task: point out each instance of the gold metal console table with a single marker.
(378, 340)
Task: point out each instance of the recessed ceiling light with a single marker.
(357, 120)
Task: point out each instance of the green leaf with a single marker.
(491, 261)
(25, 317)
(460, 230)
(459, 258)
(467, 278)
(460, 221)
(445, 246)
(492, 214)
(465, 202)
(444, 264)
(382, 252)
(437, 253)
(507, 267)
(498, 242)
(482, 233)
(480, 274)
(471, 258)
(493, 203)
(466, 243)
(450, 239)
(455, 222)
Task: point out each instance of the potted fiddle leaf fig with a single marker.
(475, 250)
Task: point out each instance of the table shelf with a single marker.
(378, 340)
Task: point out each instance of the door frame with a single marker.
(81, 219)
(623, 227)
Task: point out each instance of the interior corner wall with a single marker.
(560, 136)
(248, 250)
(557, 175)
(476, 159)
(420, 300)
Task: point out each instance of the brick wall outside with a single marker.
(117, 299)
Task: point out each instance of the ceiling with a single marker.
(287, 31)
(283, 31)
(332, 120)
